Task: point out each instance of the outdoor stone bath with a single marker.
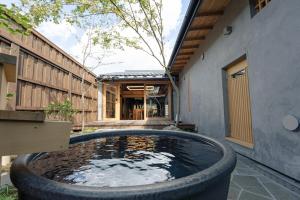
(128, 164)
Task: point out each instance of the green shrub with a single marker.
(8, 193)
(9, 96)
(60, 111)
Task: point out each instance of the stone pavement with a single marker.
(248, 183)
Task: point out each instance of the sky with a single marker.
(71, 40)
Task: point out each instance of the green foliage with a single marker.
(60, 111)
(12, 20)
(8, 193)
(89, 130)
(142, 18)
(9, 96)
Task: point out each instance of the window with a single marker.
(157, 101)
(258, 5)
(111, 99)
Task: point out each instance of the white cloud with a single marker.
(62, 31)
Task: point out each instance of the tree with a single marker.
(88, 44)
(88, 53)
(12, 20)
(142, 17)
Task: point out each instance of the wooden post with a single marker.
(145, 103)
(70, 86)
(12, 86)
(118, 103)
(103, 101)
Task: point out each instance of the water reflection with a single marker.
(126, 161)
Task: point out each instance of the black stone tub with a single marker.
(128, 164)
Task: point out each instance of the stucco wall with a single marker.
(270, 40)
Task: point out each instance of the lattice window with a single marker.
(260, 4)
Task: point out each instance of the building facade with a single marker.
(135, 95)
(238, 66)
(44, 74)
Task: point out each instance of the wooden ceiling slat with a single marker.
(193, 42)
(180, 62)
(196, 38)
(178, 67)
(187, 50)
(198, 28)
(185, 53)
(210, 14)
(196, 46)
(185, 58)
(213, 5)
(207, 16)
(197, 33)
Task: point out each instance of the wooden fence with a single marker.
(47, 74)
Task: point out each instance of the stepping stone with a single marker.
(245, 181)
(281, 193)
(240, 164)
(249, 196)
(233, 193)
(251, 184)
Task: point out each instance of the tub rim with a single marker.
(28, 182)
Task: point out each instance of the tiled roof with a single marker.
(133, 74)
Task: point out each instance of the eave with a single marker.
(201, 17)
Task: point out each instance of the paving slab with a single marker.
(247, 183)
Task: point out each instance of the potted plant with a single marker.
(9, 101)
(60, 111)
(30, 132)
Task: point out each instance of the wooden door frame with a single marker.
(238, 65)
(117, 104)
(118, 101)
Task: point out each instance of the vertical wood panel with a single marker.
(44, 76)
(239, 103)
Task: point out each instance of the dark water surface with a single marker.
(126, 161)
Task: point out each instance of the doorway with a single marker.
(132, 108)
(110, 101)
(240, 119)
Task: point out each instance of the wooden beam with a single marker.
(210, 14)
(22, 116)
(142, 81)
(201, 28)
(145, 102)
(187, 58)
(189, 39)
(178, 65)
(177, 68)
(185, 53)
(180, 62)
(195, 46)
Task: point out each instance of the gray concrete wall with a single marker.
(270, 40)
